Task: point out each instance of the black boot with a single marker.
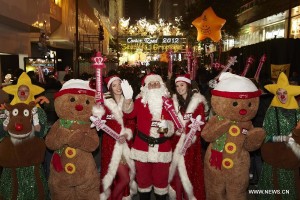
(161, 197)
(145, 195)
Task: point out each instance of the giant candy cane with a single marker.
(212, 83)
(189, 55)
(249, 62)
(170, 64)
(261, 62)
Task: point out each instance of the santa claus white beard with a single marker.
(154, 99)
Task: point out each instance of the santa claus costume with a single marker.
(151, 150)
(186, 171)
(117, 168)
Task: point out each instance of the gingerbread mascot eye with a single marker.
(235, 104)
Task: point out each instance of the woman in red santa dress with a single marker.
(186, 171)
(117, 169)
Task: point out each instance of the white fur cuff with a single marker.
(98, 111)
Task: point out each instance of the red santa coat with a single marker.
(140, 150)
(111, 150)
(190, 166)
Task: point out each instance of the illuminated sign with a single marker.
(157, 44)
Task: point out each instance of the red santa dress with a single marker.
(112, 152)
(190, 165)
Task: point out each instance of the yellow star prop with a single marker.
(164, 57)
(292, 91)
(23, 80)
(209, 25)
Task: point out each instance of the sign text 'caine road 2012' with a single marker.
(152, 43)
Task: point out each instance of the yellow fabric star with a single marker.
(292, 91)
(164, 57)
(209, 25)
(24, 79)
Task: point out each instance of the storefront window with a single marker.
(295, 23)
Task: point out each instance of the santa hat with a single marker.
(151, 77)
(235, 87)
(184, 78)
(111, 79)
(76, 86)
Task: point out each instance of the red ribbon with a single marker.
(56, 162)
(216, 159)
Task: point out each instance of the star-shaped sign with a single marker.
(164, 57)
(292, 91)
(24, 79)
(209, 25)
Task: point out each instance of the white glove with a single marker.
(127, 89)
(163, 124)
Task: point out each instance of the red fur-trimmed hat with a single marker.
(76, 86)
(184, 77)
(110, 79)
(151, 77)
(235, 87)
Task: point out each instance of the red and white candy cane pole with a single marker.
(98, 64)
(194, 68)
(170, 55)
(41, 75)
(171, 110)
(261, 62)
(195, 125)
(249, 62)
(189, 55)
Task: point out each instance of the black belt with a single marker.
(151, 140)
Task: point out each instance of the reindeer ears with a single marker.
(32, 104)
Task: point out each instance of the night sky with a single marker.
(138, 9)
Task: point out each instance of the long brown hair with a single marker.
(183, 103)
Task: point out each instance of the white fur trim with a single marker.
(183, 79)
(295, 148)
(98, 111)
(178, 163)
(148, 189)
(152, 77)
(160, 191)
(112, 80)
(105, 195)
(128, 108)
(196, 99)
(128, 131)
(172, 193)
(119, 150)
(116, 109)
(144, 156)
(17, 139)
